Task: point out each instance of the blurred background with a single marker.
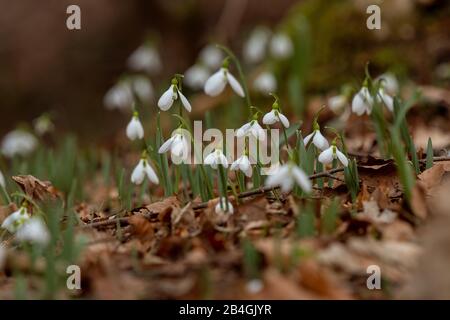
(47, 68)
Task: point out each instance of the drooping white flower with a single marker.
(172, 94)
(243, 164)
(2, 180)
(317, 138)
(385, 99)
(217, 82)
(362, 102)
(120, 97)
(142, 87)
(275, 116)
(195, 77)
(18, 142)
(15, 219)
(265, 82)
(328, 155)
(211, 56)
(145, 58)
(256, 45)
(221, 206)
(178, 145)
(43, 124)
(251, 128)
(287, 176)
(389, 83)
(135, 130)
(337, 103)
(281, 46)
(142, 170)
(216, 158)
(33, 230)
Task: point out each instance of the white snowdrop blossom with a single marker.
(255, 47)
(243, 164)
(135, 130)
(18, 142)
(275, 116)
(172, 94)
(211, 56)
(178, 145)
(142, 170)
(221, 206)
(195, 77)
(281, 46)
(386, 99)
(337, 103)
(43, 124)
(15, 220)
(145, 58)
(251, 128)
(254, 286)
(389, 83)
(34, 230)
(217, 81)
(362, 102)
(119, 97)
(265, 82)
(287, 176)
(216, 158)
(2, 180)
(142, 87)
(328, 155)
(317, 138)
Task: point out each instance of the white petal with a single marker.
(166, 145)
(210, 160)
(166, 100)
(2, 180)
(185, 101)
(308, 138)
(302, 179)
(221, 159)
(215, 84)
(278, 177)
(242, 131)
(235, 165)
(235, 85)
(342, 158)
(358, 105)
(284, 120)
(135, 129)
(248, 172)
(244, 163)
(270, 118)
(320, 141)
(387, 100)
(223, 204)
(138, 175)
(326, 156)
(151, 175)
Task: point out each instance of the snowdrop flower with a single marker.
(196, 76)
(362, 102)
(142, 170)
(337, 103)
(254, 286)
(172, 94)
(2, 180)
(221, 206)
(34, 230)
(142, 87)
(216, 158)
(251, 128)
(281, 46)
(145, 58)
(15, 219)
(243, 163)
(211, 56)
(255, 47)
(135, 130)
(286, 176)
(18, 142)
(217, 82)
(389, 83)
(328, 155)
(265, 82)
(386, 99)
(178, 146)
(120, 97)
(275, 116)
(43, 124)
(317, 138)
